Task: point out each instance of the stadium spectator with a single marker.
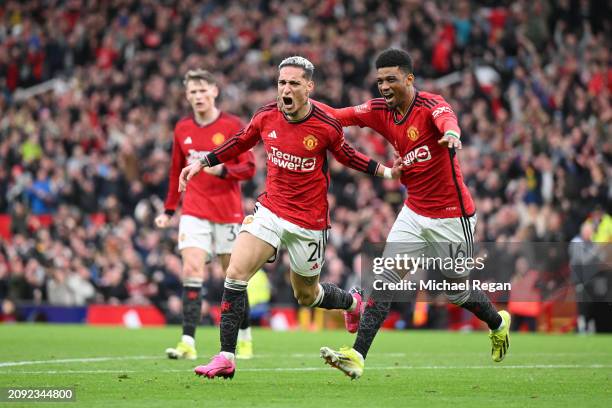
(524, 303)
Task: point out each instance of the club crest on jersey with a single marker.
(413, 133)
(310, 142)
(218, 138)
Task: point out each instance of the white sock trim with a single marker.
(501, 325)
(244, 334)
(188, 339)
(228, 355)
(192, 282)
(235, 284)
(319, 297)
(353, 305)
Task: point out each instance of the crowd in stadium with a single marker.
(84, 163)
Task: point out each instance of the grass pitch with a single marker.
(121, 367)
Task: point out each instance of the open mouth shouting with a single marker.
(288, 104)
(389, 98)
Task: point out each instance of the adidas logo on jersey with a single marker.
(272, 135)
(188, 140)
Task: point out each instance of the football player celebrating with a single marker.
(438, 211)
(293, 211)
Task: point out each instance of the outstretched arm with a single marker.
(347, 155)
(445, 120)
(346, 116)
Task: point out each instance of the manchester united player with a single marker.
(293, 211)
(438, 210)
(212, 205)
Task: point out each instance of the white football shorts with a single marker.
(210, 236)
(306, 247)
(415, 235)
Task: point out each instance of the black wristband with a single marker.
(372, 167)
(204, 161)
(212, 159)
(169, 212)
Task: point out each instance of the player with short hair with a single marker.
(293, 211)
(212, 205)
(423, 129)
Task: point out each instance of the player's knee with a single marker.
(236, 272)
(305, 298)
(193, 270)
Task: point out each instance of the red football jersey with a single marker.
(298, 176)
(431, 174)
(215, 198)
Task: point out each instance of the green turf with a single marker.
(404, 369)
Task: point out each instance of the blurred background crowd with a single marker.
(90, 92)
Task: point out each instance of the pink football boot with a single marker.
(219, 366)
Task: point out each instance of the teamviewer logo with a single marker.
(290, 161)
(308, 164)
(420, 154)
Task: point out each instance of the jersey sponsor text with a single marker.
(290, 161)
(420, 154)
